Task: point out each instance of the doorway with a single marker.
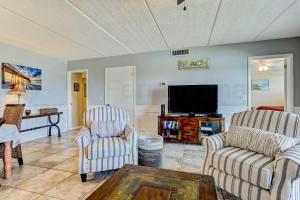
(270, 85)
(120, 89)
(77, 98)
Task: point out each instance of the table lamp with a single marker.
(18, 89)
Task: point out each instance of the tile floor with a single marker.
(51, 165)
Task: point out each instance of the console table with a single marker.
(51, 125)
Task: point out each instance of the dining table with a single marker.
(10, 137)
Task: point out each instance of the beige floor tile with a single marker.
(44, 182)
(70, 165)
(7, 193)
(78, 190)
(34, 147)
(50, 160)
(34, 157)
(43, 197)
(22, 173)
(70, 151)
(171, 163)
(54, 148)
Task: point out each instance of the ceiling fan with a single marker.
(180, 2)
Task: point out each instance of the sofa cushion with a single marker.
(249, 166)
(107, 147)
(260, 141)
(107, 128)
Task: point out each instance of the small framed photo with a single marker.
(76, 87)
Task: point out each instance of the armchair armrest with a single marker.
(84, 138)
(131, 136)
(211, 144)
(287, 170)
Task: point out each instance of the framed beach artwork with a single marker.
(260, 85)
(29, 76)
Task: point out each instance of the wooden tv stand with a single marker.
(186, 129)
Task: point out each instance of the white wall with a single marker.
(275, 95)
(54, 87)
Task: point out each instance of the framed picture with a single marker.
(260, 85)
(76, 87)
(29, 76)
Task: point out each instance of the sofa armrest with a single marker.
(287, 170)
(83, 139)
(214, 142)
(211, 144)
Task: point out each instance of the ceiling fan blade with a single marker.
(180, 2)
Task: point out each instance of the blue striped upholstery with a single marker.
(100, 154)
(251, 167)
(105, 113)
(250, 175)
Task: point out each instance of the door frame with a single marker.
(69, 95)
(288, 78)
(134, 88)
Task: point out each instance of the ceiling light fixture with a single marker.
(263, 68)
(180, 2)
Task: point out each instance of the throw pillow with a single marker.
(270, 144)
(107, 128)
(260, 141)
(237, 136)
(127, 133)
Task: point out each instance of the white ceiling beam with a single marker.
(155, 23)
(215, 19)
(97, 25)
(276, 18)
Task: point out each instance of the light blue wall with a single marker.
(228, 69)
(54, 83)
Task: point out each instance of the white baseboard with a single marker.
(297, 110)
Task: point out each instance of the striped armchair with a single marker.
(249, 175)
(104, 153)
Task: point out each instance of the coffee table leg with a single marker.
(7, 160)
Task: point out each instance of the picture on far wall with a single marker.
(260, 85)
(76, 87)
(29, 76)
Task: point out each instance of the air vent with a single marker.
(180, 52)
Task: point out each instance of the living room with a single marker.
(183, 97)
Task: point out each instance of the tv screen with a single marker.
(199, 99)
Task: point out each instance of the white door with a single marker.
(120, 88)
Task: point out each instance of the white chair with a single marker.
(104, 153)
(249, 175)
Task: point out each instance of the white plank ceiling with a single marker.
(81, 29)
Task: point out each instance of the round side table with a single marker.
(150, 150)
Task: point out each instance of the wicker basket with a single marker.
(150, 150)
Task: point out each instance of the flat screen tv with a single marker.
(198, 99)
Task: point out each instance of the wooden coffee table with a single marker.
(146, 183)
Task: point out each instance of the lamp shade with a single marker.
(18, 89)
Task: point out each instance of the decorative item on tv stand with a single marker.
(189, 128)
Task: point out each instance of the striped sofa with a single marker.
(249, 175)
(100, 154)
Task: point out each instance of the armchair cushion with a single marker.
(107, 147)
(107, 128)
(249, 166)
